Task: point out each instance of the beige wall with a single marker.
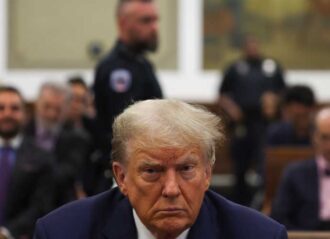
(56, 34)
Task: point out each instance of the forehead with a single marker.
(51, 95)
(10, 97)
(166, 155)
(323, 124)
(139, 9)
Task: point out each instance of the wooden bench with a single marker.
(308, 235)
(276, 159)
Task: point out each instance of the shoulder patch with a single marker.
(120, 80)
(269, 67)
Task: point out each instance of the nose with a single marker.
(171, 187)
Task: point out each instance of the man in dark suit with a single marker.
(163, 152)
(302, 201)
(25, 171)
(68, 145)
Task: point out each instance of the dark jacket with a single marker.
(30, 192)
(70, 152)
(297, 201)
(109, 215)
(121, 78)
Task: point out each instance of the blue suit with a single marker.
(296, 204)
(109, 215)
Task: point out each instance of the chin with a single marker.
(173, 226)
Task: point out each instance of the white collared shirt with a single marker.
(14, 142)
(144, 233)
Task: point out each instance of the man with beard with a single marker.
(25, 171)
(125, 75)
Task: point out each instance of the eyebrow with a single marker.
(155, 163)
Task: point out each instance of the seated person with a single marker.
(26, 181)
(163, 153)
(295, 128)
(69, 146)
(302, 201)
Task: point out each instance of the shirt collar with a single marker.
(144, 233)
(322, 164)
(41, 128)
(14, 142)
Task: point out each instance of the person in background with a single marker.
(248, 86)
(26, 171)
(302, 201)
(163, 152)
(125, 75)
(69, 147)
(77, 114)
(295, 129)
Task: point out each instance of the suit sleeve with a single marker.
(284, 204)
(41, 202)
(39, 232)
(282, 234)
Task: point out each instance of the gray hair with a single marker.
(166, 123)
(55, 87)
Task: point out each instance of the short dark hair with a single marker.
(11, 89)
(121, 3)
(77, 80)
(301, 94)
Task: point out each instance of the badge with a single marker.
(120, 80)
(269, 67)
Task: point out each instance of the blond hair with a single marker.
(166, 123)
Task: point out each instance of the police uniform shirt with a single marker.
(246, 80)
(121, 78)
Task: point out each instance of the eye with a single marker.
(150, 170)
(151, 173)
(187, 171)
(187, 168)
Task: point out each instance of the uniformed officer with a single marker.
(125, 75)
(248, 94)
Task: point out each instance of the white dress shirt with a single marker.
(144, 233)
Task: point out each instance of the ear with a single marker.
(120, 176)
(208, 175)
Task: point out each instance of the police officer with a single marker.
(125, 75)
(248, 94)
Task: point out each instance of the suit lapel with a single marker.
(122, 217)
(206, 225)
(314, 187)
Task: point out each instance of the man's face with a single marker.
(140, 23)
(300, 115)
(11, 114)
(78, 102)
(165, 186)
(251, 48)
(50, 107)
(322, 137)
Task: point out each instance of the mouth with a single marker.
(171, 211)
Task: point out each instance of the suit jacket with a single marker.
(296, 204)
(30, 190)
(109, 215)
(70, 152)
